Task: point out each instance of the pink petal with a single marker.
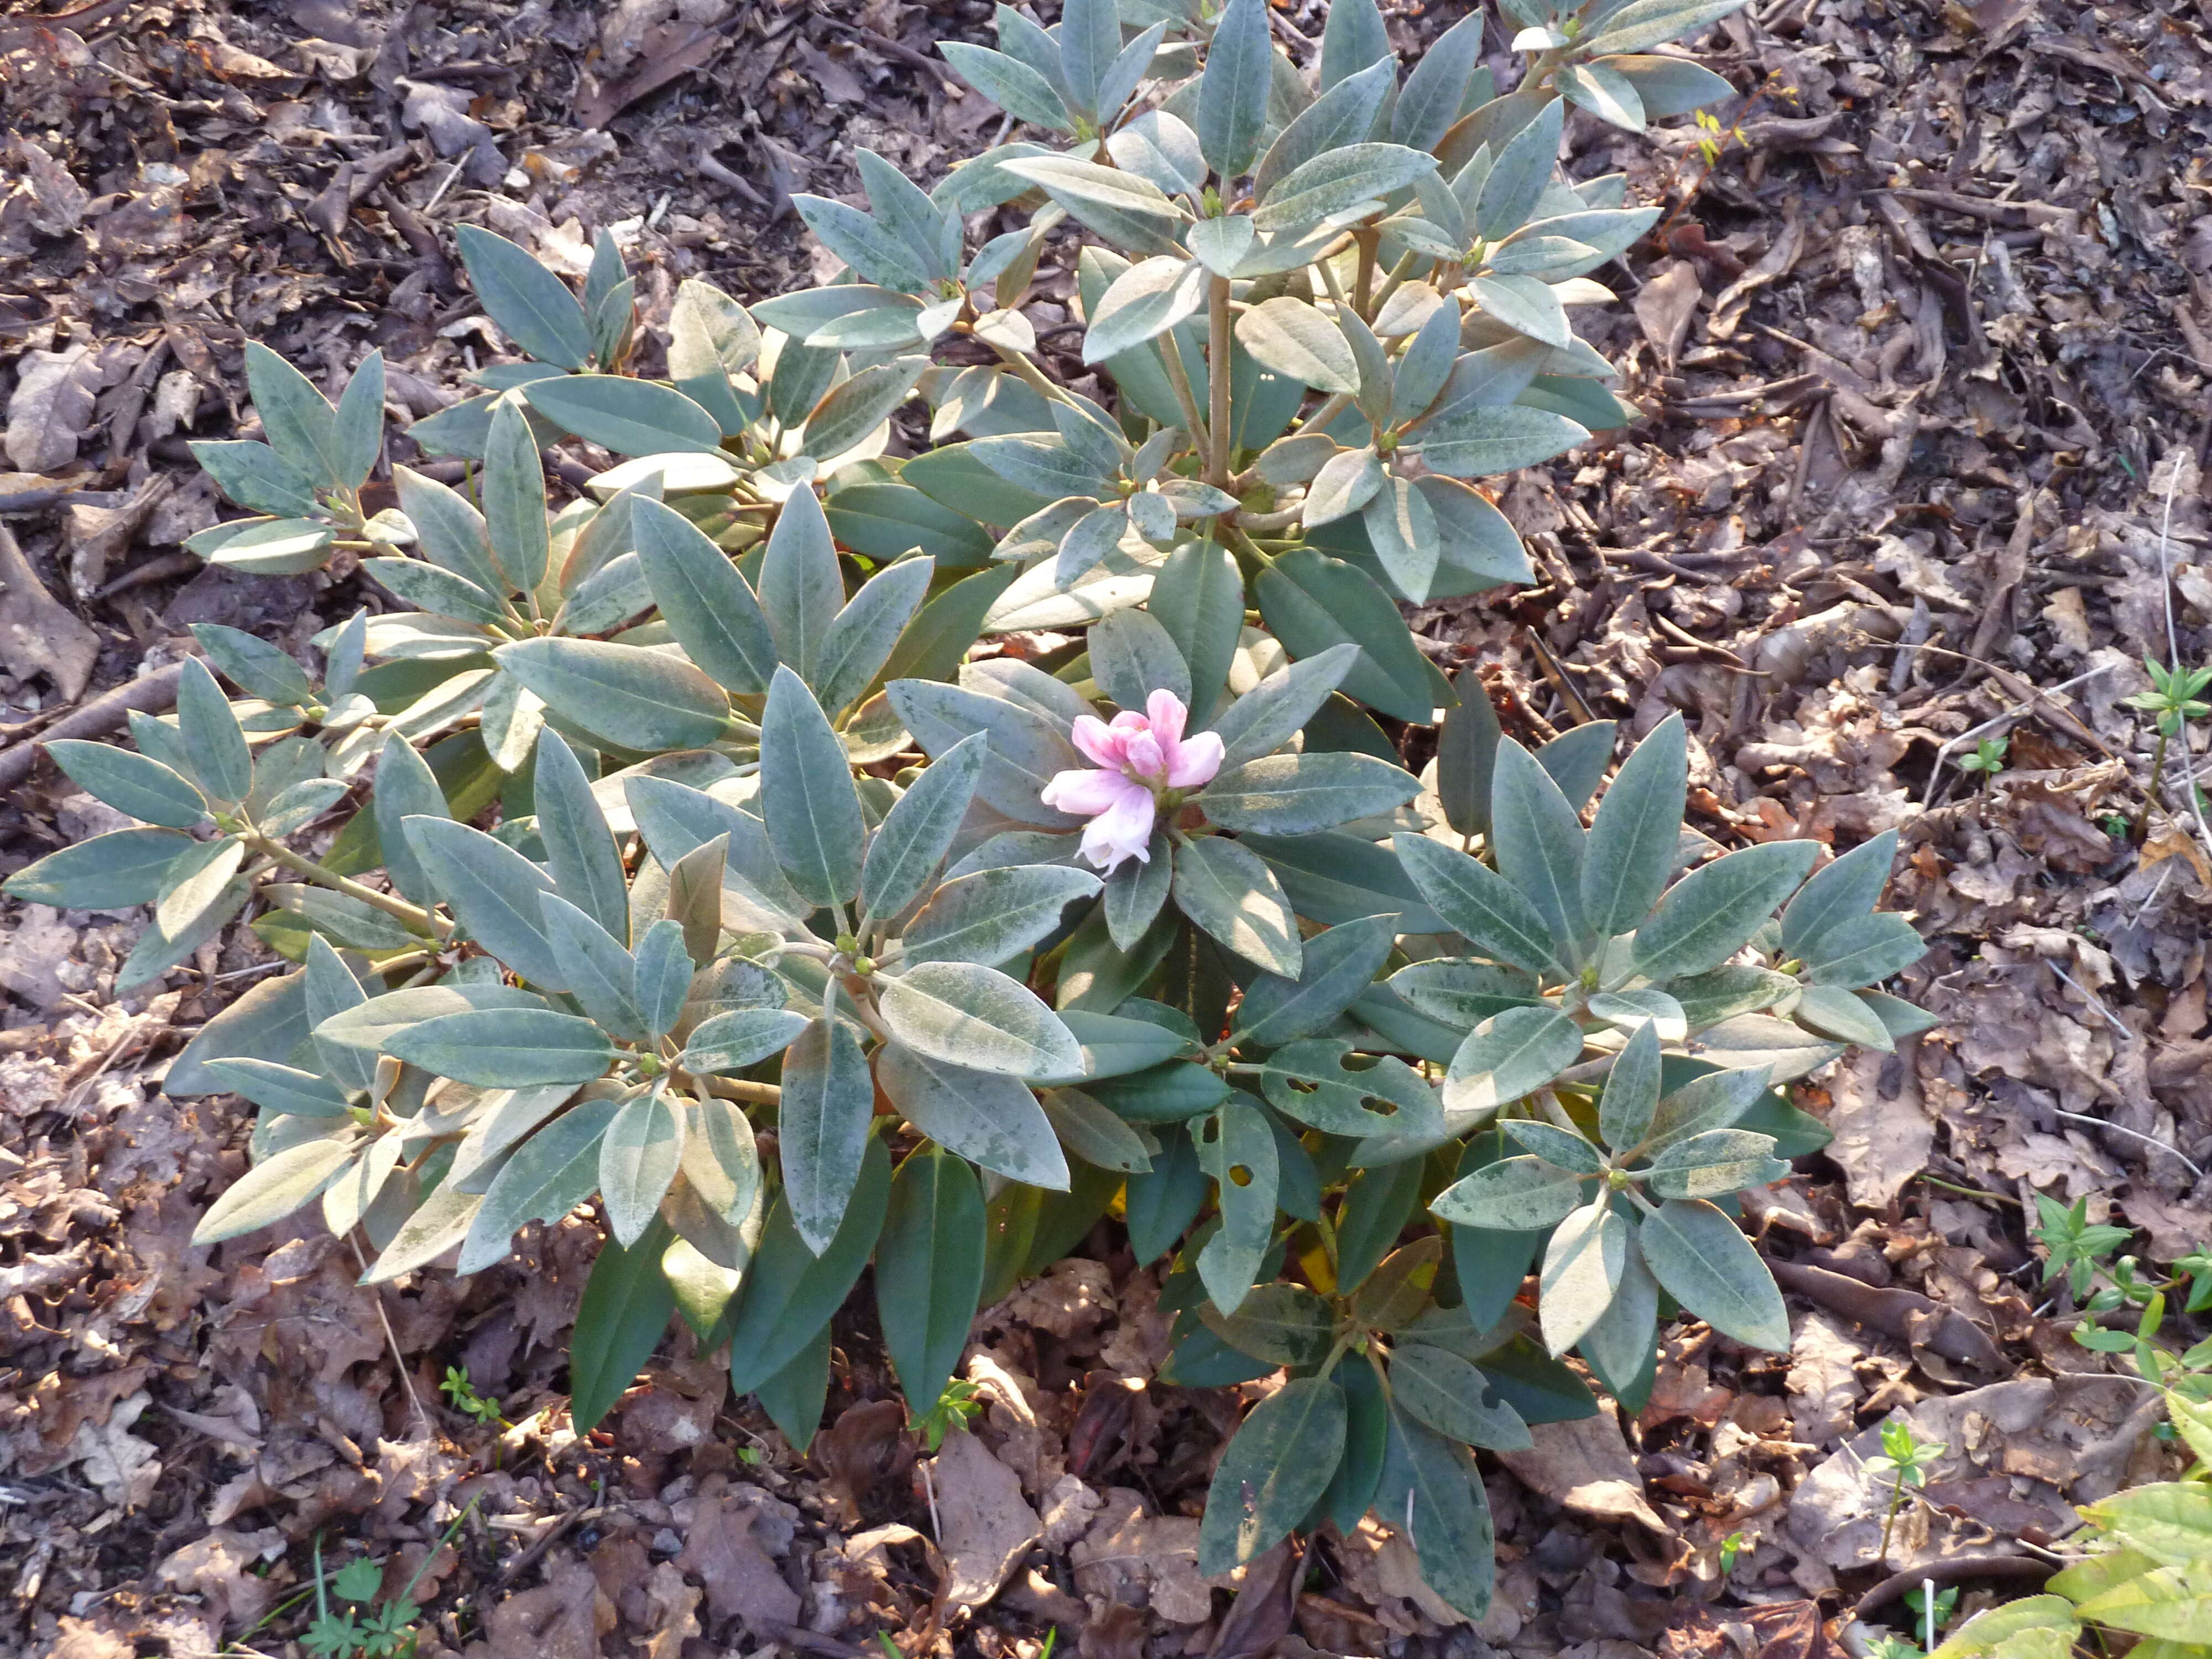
(1168, 714)
(1130, 720)
(1124, 831)
(1100, 742)
(1196, 760)
(1144, 758)
(1085, 792)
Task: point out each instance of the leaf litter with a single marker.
(1922, 356)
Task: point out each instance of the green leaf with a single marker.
(1448, 1395)
(1582, 1265)
(505, 1047)
(580, 849)
(1484, 440)
(867, 631)
(449, 531)
(1133, 655)
(993, 915)
(874, 252)
(1229, 893)
(794, 1397)
(1701, 1258)
(1339, 182)
(966, 1015)
(533, 306)
(884, 521)
(822, 1127)
(1162, 1203)
(1516, 180)
(546, 1176)
(272, 547)
(1311, 602)
(1485, 908)
(1136, 890)
(513, 490)
(1129, 211)
(629, 417)
(1377, 1205)
(1845, 889)
(1430, 1486)
(1714, 1165)
(1352, 1489)
(130, 782)
(1631, 1090)
(919, 830)
(625, 1309)
(1863, 951)
(1510, 1056)
(791, 1291)
(1463, 993)
(496, 892)
(1353, 40)
(812, 812)
(929, 1271)
(1199, 598)
(1010, 84)
(1432, 98)
(1237, 1147)
(261, 669)
(1282, 1324)
(405, 787)
(853, 408)
(1538, 840)
(1169, 1093)
(1710, 914)
(631, 697)
(1309, 1081)
(281, 1090)
(255, 476)
(1338, 964)
(1670, 86)
(1144, 302)
(708, 604)
(1275, 1470)
(639, 1156)
(301, 424)
(729, 1042)
(274, 1187)
(1834, 1012)
(1291, 337)
(214, 743)
(1233, 94)
(1296, 794)
(1631, 850)
(1282, 705)
(986, 1117)
(1515, 1195)
(1644, 23)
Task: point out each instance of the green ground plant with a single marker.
(721, 850)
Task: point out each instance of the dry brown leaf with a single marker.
(1587, 1466)
(985, 1524)
(723, 1554)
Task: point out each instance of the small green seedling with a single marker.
(1731, 1547)
(2174, 698)
(1906, 1458)
(2077, 1246)
(955, 1408)
(1988, 758)
(462, 1395)
(1935, 1618)
(382, 1633)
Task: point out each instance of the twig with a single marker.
(376, 1292)
(2173, 648)
(2133, 1135)
(150, 694)
(2009, 715)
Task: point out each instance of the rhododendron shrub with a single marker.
(905, 809)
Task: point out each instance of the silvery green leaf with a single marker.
(902, 207)
(1737, 988)
(1537, 838)
(1524, 304)
(1516, 180)
(1515, 1195)
(708, 605)
(549, 1175)
(1219, 244)
(258, 668)
(1463, 992)
(1711, 913)
(1343, 114)
(1489, 379)
(994, 914)
(1834, 1011)
(1644, 23)
(213, 741)
(1135, 891)
(1489, 911)
(631, 697)
(1233, 895)
(1042, 532)
(866, 630)
(808, 802)
(1713, 1100)
(1354, 38)
(1308, 1081)
(988, 1117)
(1297, 794)
(531, 305)
(1402, 530)
(275, 1187)
(1294, 338)
(1631, 851)
(1341, 963)
(854, 408)
(299, 805)
(130, 782)
(1547, 257)
(1846, 889)
(1190, 499)
(1232, 94)
(629, 417)
(1144, 301)
(1701, 1258)
(1275, 1470)
(1026, 751)
(809, 315)
(1152, 515)
(1454, 1398)
(1760, 1041)
(822, 1127)
(1129, 69)
(426, 588)
(1479, 442)
(1582, 1265)
(1564, 1147)
(1347, 481)
(662, 975)
(711, 338)
(1132, 656)
(1047, 466)
(1471, 536)
(1669, 86)
(1714, 1165)
(580, 848)
(676, 820)
(602, 975)
(255, 476)
(1633, 1010)
(281, 1090)
(1096, 1134)
(1013, 86)
(449, 530)
(1090, 41)
(301, 424)
(914, 836)
(1624, 1338)
(639, 1156)
(1511, 1055)
(1125, 208)
(1632, 1090)
(1898, 1018)
(1237, 1147)
(742, 1037)
(1161, 150)
(1432, 1482)
(607, 599)
(1426, 363)
(1430, 102)
(968, 1015)
(494, 891)
(1339, 185)
(513, 489)
(801, 588)
(505, 1047)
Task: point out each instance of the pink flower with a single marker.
(1140, 757)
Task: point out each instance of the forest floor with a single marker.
(1923, 356)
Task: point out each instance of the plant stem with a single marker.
(419, 920)
(738, 1090)
(1172, 359)
(1363, 283)
(1395, 280)
(1218, 366)
(1889, 1520)
(2158, 769)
